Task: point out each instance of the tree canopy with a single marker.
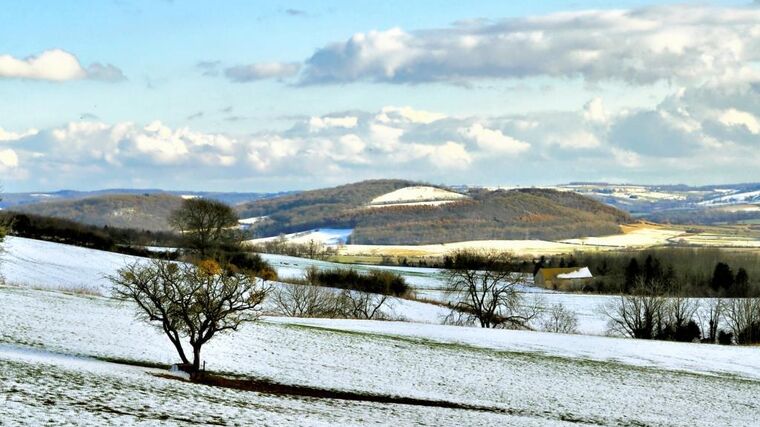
(206, 225)
(193, 302)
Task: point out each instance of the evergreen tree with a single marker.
(632, 272)
(741, 284)
(723, 277)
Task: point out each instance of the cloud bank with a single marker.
(674, 43)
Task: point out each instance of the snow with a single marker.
(252, 220)
(55, 266)
(536, 378)
(324, 236)
(428, 203)
(745, 197)
(416, 194)
(583, 273)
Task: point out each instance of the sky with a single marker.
(271, 96)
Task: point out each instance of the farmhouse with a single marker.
(564, 279)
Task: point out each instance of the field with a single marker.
(55, 346)
(63, 355)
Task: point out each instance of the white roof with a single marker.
(581, 273)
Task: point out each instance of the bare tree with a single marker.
(679, 311)
(560, 319)
(195, 302)
(711, 317)
(486, 291)
(306, 299)
(206, 224)
(361, 305)
(640, 314)
(743, 317)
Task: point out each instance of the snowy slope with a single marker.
(325, 236)
(46, 265)
(416, 194)
(745, 197)
(538, 379)
(53, 265)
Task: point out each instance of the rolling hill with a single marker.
(477, 215)
(139, 211)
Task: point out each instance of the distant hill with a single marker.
(138, 211)
(10, 200)
(146, 209)
(481, 215)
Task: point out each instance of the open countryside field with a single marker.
(53, 346)
(633, 236)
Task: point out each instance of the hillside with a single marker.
(481, 215)
(138, 211)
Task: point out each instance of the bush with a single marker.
(307, 298)
(249, 262)
(688, 332)
(750, 334)
(375, 281)
(561, 320)
(725, 338)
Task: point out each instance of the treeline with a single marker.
(281, 246)
(694, 272)
(651, 311)
(701, 216)
(122, 240)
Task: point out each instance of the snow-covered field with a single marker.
(532, 378)
(323, 236)
(54, 266)
(745, 197)
(416, 194)
(48, 340)
(637, 238)
(33, 263)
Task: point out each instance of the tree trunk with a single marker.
(196, 358)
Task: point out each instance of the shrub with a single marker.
(559, 319)
(725, 338)
(375, 281)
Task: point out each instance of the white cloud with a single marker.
(734, 117)
(319, 123)
(640, 46)
(578, 139)
(8, 159)
(394, 114)
(594, 111)
(55, 65)
(494, 140)
(261, 71)
(385, 138)
(450, 155)
(13, 136)
(626, 158)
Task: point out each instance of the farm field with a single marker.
(632, 236)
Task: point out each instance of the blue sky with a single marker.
(262, 96)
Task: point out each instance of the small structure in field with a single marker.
(563, 279)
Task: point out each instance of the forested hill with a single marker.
(482, 215)
(137, 211)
